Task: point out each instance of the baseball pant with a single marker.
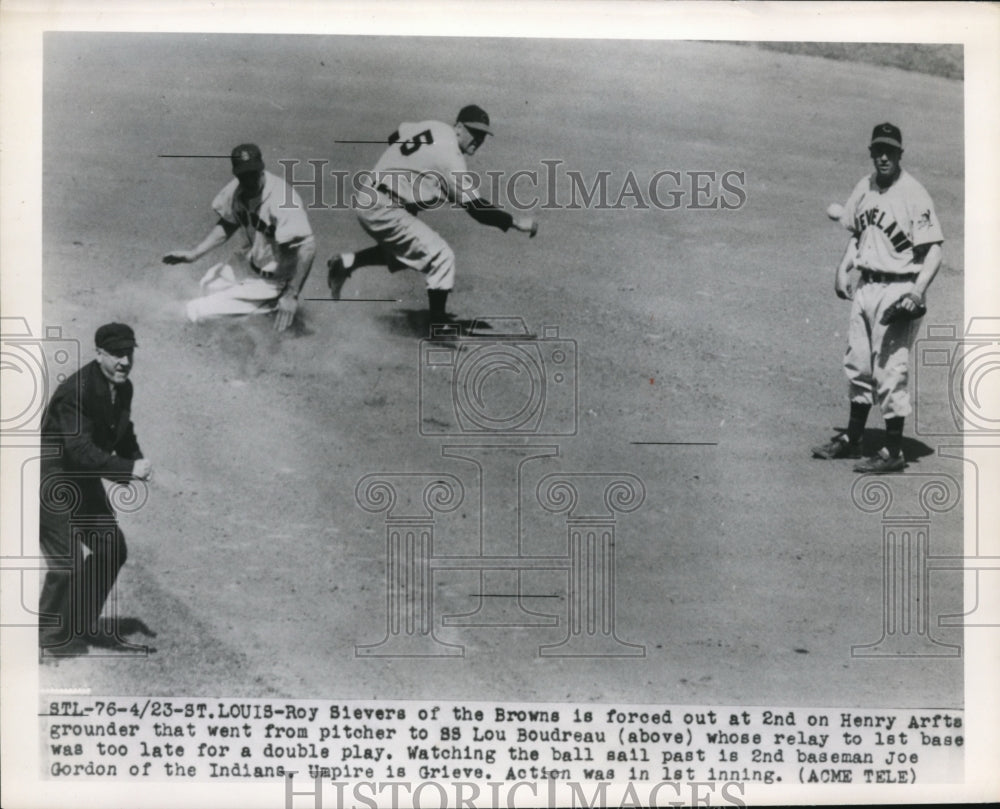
(227, 297)
(878, 356)
(84, 550)
(408, 243)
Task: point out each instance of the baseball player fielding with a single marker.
(423, 165)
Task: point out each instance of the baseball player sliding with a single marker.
(281, 245)
(423, 166)
(895, 245)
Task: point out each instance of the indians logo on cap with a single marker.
(887, 133)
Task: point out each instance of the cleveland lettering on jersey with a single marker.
(891, 223)
(877, 218)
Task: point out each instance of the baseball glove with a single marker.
(897, 313)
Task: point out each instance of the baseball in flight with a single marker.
(835, 211)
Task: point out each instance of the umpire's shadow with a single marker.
(113, 635)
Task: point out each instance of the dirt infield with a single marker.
(708, 346)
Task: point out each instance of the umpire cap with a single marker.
(113, 337)
(475, 118)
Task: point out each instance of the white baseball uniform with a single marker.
(275, 217)
(888, 224)
(422, 168)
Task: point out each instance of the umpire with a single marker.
(87, 435)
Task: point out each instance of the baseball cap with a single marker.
(475, 118)
(247, 157)
(889, 134)
(114, 337)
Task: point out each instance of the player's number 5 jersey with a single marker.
(423, 164)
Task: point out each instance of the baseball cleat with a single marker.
(881, 464)
(336, 275)
(838, 447)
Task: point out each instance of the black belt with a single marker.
(267, 274)
(876, 277)
(410, 207)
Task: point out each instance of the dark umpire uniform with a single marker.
(87, 435)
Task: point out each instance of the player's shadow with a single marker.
(406, 322)
(874, 440)
(417, 323)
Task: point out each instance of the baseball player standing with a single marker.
(895, 245)
(423, 166)
(281, 245)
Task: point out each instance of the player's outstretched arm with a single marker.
(216, 236)
(486, 213)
